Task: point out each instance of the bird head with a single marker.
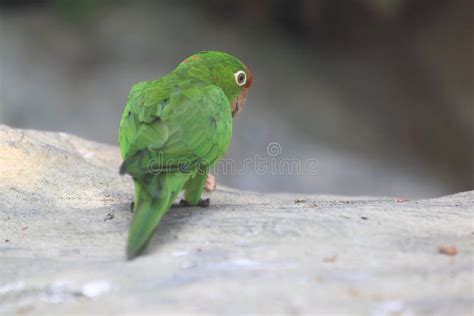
(225, 71)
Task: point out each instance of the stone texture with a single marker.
(65, 212)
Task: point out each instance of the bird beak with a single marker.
(239, 103)
(235, 109)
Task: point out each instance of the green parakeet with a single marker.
(173, 130)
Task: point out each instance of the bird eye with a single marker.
(240, 77)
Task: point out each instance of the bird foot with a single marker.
(210, 183)
(201, 203)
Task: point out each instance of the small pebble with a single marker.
(108, 217)
(448, 250)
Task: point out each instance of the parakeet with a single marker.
(173, 130)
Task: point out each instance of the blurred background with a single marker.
(380, 92)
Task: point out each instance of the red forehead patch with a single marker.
(194, 57)
(249, 78)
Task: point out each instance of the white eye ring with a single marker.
(240, 77)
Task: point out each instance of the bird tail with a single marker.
(153, 197)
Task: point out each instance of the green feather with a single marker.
(154, 197)
(172, 131)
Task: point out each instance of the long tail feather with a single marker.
(152, 201)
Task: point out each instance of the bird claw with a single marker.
(201, 203)
(204, 202)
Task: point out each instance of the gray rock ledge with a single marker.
(65, 212)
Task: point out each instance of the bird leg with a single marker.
(210, 183)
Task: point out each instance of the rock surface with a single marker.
(65, 213)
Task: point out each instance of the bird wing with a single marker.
(168, 127)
